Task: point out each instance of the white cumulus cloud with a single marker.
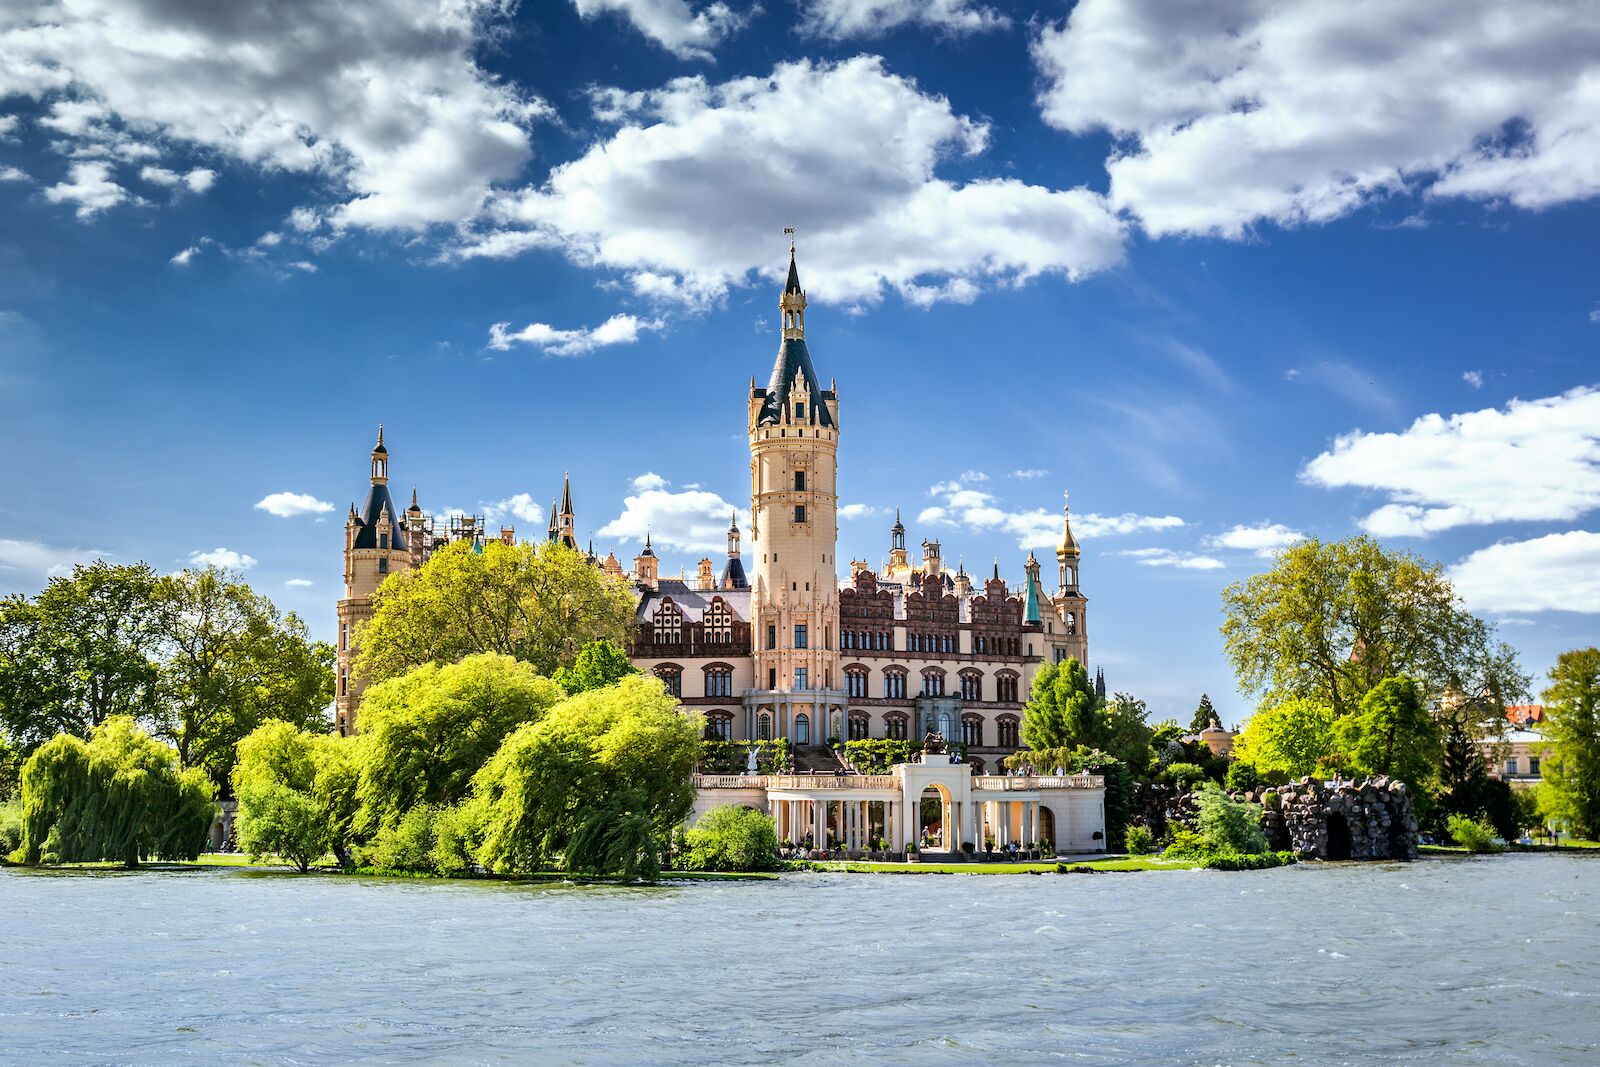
(617, 330)
(856, 511)
(288, 505)
(1534, 460)
(682, 198)
(25, 565)
(520, 506)
(962, 505)
(686, 520)
(90, 186)
(687, 32)
(226, 558)
(1264, 539)
(383, 100)
(1558, 572)
(838, 20)
(1234, 111)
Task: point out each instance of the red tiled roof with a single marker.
(1525, 713)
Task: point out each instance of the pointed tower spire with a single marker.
(566, 494)
(793, 302)
(1067, 552)
(552, 530)
(380, 460)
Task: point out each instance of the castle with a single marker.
(775, 643)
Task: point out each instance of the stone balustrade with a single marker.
(1017, 783)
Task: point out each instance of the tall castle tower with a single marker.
(375, 545)
(794, 501)
(1068, 633)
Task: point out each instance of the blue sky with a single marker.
(1230, 275)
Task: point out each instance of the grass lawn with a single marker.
(1113, 863)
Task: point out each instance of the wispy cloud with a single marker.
(1166, 557)
(962, 505)
(226, 558)
(1265, 539)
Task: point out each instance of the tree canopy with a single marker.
(540, 603)
(597, 785)
(1205, 716)
(1392, 733)
(1330, 620)
(197, 658)
(119, 796)
(296, 792)
(601, 663)
(1572, 723)
(1061, 711)
(426, 733)
(1291, 738)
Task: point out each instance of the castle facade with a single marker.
(776, 641)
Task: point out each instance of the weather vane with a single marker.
(790, 231)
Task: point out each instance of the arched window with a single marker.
(971, 685)
(894, 726)
(1005, 684)
(933, 682)
(668, 624)
(719, 680)
(1007, 725)
(894, 683)
(1072, 623)
(802, 729)
(764, 726)
(971, 730)
(719, 725)
(855, 681)
(859, 726)
(671, 676)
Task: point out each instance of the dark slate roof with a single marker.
(367, 536)
(692, 602)
(733, 575)
(793, 362)
(794, 276)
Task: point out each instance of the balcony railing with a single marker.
(1015, 783)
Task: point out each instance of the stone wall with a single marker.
(1366, 820)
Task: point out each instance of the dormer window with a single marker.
(383, 540)
(800, 409)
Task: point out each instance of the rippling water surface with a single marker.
(1475, 961)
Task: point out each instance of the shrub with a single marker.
(1185, 845)
(1258, 862)
(878, 755)
(731, 838)
(1184, 776)
(1228, 826)
(10, 827)
(968, 847)
(1476, 835)
(1139, 841)
(406, 844)
(1242, 777)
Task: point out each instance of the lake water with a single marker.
(1493, 960)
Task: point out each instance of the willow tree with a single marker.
(426, 733)
(595, 787)
(296, 792)
(121, 795)
(1331, 620)
(536, 602)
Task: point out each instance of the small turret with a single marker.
(380, 460)
(646, 567)
(1067, 552)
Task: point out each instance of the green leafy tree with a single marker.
(1126, 734)
(296, 793)
(1572, 723)
(230, 662)
(1290, 738)
(1061, 711)
(10, 768)
(1205, 716)
(426, 733)
(1229, 827)
(120, 796)
(1331, 620)
(82, 651)
(601, 663)
(542, 603)
(1392, 733)
(595, 787)
(731, 838)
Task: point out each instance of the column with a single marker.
(818, 830)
